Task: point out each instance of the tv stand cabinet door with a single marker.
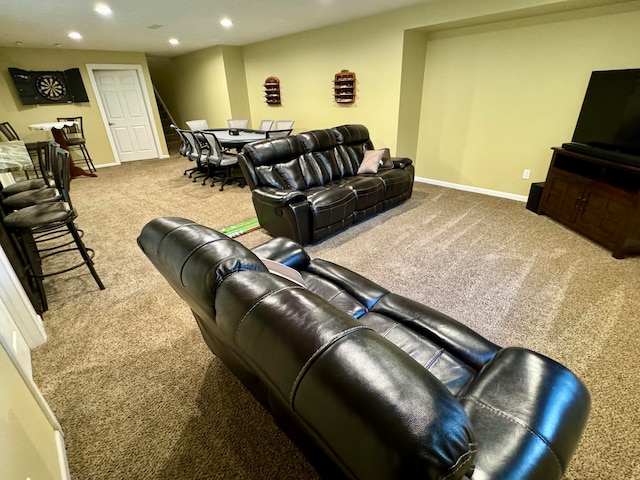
(562, 196)
(604, 216)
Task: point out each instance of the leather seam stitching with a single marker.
(388, 330)
(316, 354)
(434, 359)
(517, 422)
(256, 303)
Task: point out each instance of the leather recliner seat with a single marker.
(307, 187)
(367, 383)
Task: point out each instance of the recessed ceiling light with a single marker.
(103, 9)
(226, 23)
(174, 41)
(75, 35)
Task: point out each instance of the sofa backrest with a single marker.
(305, 160)
(356, 404)
(322, 162)
(353, 140)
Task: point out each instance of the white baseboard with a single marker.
(103, 165)
(484, 191)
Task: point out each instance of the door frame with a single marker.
(91, 68)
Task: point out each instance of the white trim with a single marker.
(33, 388)
(19, 306)
(145, 95)
(484, 191)
(62, 456)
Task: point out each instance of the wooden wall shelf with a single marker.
(344, 87)
(272, 91)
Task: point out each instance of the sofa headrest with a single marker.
(317, 140)
(350, 134)
(193, 258)
(275, 150)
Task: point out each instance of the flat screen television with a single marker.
(609, 122)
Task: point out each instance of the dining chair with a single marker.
(8, 131)
(265, 125)
(198, 150)
(279, 133)
(74, 136)
(283, 124)
(185, 148)
(221, 161)
(31, 222)
(197, 124)
(238, 123)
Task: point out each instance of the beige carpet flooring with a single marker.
(139, 395)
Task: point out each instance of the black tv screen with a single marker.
(610, 114)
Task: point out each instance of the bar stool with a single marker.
(42, 151)
(74, 135)
(49, 217)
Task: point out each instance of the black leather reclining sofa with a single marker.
(369, 384)
(306, 186)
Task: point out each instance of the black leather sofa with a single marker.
(306, 186)
(369, 384)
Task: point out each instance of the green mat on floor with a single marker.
(241, 228)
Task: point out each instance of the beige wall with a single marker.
(480, 106)
(21, 116)
(28, 437)
(306, 64)
(200, 87)
(497, 98)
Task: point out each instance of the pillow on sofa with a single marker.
(386, 159)
(371, 161)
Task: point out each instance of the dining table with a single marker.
(237, 138)
(14, 157)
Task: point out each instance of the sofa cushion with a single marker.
(320, 163)
(267, 156)
(330, 204)
(396, 181)
(369, 191)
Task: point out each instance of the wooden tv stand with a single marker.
(595, 197)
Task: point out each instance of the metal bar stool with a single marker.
(43, 218)
(74, 135)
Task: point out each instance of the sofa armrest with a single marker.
(276, 198)
(283, 213)
(401, 162)
(285, 251)
(528, 413)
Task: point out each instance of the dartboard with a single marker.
(50, 87)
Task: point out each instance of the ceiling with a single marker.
(195, 23)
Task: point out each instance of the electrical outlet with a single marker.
(526, 174)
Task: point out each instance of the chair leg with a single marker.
(29, 252)
(85, 254)
(87, 158)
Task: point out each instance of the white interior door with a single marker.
(126, 113)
